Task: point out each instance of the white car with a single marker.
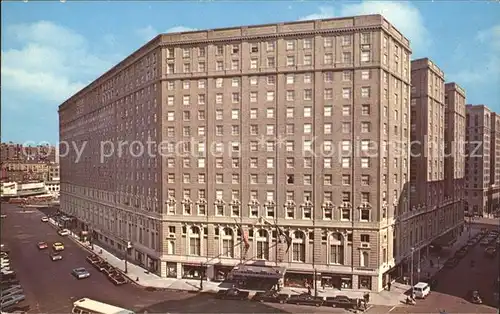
(6, 272)
(64, 232)
(45, 219)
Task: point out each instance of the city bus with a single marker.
(89, 306)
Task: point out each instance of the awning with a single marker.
(258, 271)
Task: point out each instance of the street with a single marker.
(50, 287)
(453, 285)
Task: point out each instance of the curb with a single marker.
(131, 280)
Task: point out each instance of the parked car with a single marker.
(58, 246)
(101, 266)
(42, 245)
(460, 253)
(305, 299)
(64, 232)
(107, 269)
(270, 296)
(45, 219)
(11, 300)
(117, 278)
(54, 256)
(484, 242)
(16, 289)
(7, 283)
(7, 273)
(490, 251)
(341, 301)
(80, 273)
(232, 294)
(93, 259)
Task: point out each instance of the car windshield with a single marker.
(80, 270)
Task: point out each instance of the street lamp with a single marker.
(411, 267)
(127, 251)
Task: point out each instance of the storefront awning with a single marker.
(258, 271)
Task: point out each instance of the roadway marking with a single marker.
(392, 308)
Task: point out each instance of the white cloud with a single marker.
(51, 63)
(403, 15)
(179, 29)
(325, 12)
(147, 33)
(486, 66)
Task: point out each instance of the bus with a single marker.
(89, 306)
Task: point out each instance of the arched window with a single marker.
(194, 241)
(336, 249)
(299, 247)
(227, 243)
(262, 245)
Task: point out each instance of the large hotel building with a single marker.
(305, 125)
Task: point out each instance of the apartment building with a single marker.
(258, 125)
(481, 168)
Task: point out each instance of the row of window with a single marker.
(270, 46)
(290, 129)
(290, 79)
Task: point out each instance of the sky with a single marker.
(50, 50)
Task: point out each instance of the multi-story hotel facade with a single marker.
(482, 166)
(304, 125)
(436, 177)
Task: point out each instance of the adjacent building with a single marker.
(483, 155)
(455, 132)
(437, 134)
(259, 125)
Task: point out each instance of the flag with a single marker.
(244, 235)
(288, 239)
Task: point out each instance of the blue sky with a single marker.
(51, 49)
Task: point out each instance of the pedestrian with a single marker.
(309, 290)
(389, 285)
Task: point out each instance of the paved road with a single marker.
(50, 288)
(453, 285)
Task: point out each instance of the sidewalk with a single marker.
(144, 278)
(438, 261)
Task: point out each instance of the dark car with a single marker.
(305, 299)
(461, 253)
(54, 256)
(232, 294)
(9, 282)
(341, 301)
(490, 251)
(271, 296)
(117, 278)
(93, 259)
(108, 269)
(101, 265)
